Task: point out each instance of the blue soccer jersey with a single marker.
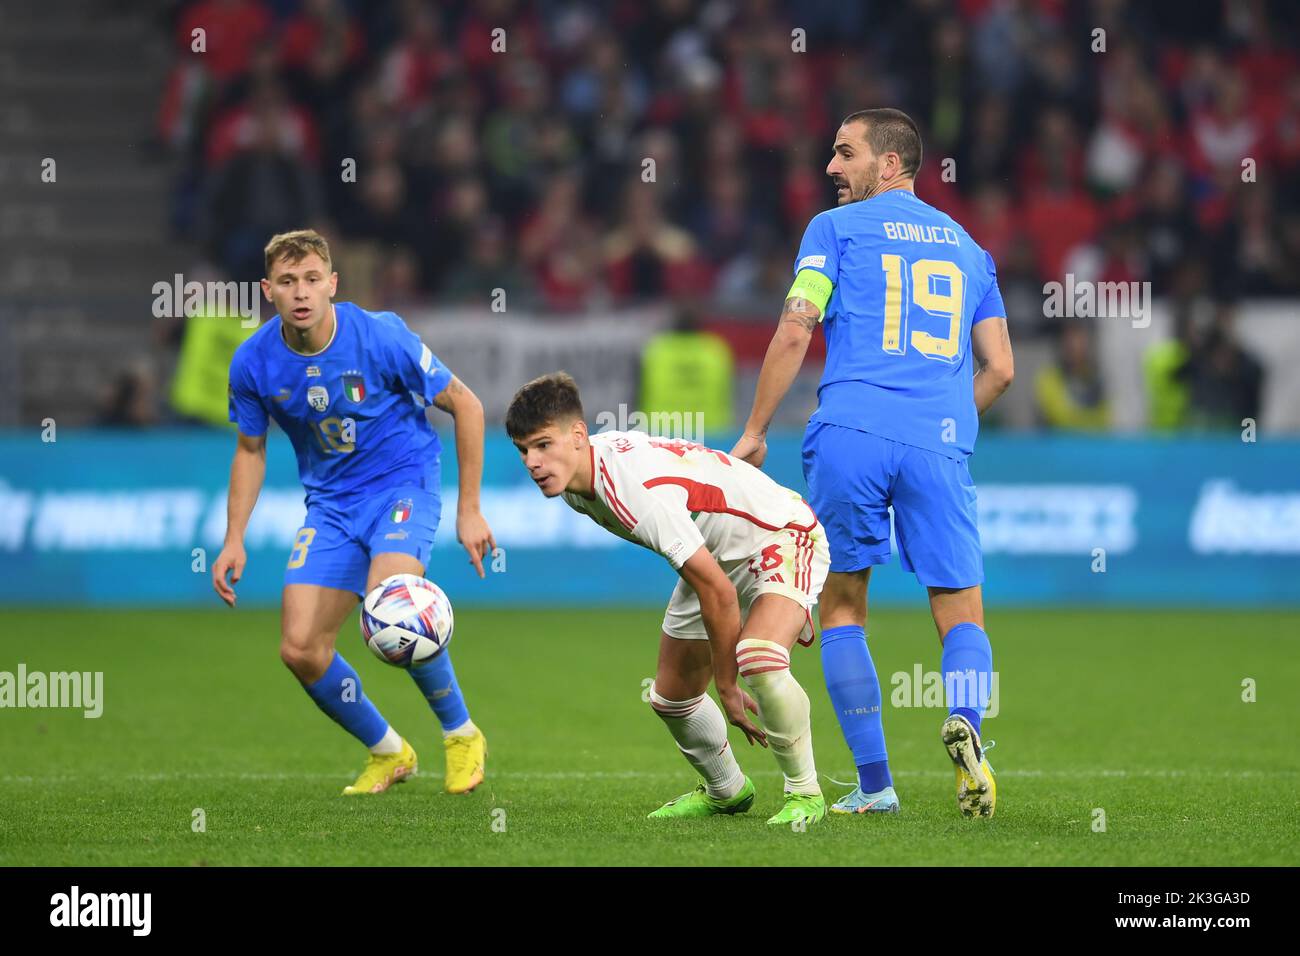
(909, 284)
(354, 412)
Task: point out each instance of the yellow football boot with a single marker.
(977, 788)
(466, 760)
(384, 770)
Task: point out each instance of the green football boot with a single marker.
(698, 803)
(800, 810)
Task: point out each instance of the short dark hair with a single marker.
(891, 131)
(543, 401)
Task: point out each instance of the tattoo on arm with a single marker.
(446, 399)
(1004, 344)
(801, 312)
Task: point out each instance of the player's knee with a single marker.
(761, 660)
(665, 707)
(305, 658)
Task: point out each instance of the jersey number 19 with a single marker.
(938, 287)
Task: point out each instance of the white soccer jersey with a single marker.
(672, 496)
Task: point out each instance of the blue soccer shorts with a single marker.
(854, 477)
(334, 547)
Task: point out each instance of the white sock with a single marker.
(701, 734)
(390, 743)
(466, 729)
(784, 710)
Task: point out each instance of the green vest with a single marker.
(689, 373)
(1167, 397)
(200, 386)
(1060, 409)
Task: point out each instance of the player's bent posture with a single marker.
(752, 558)
(907, 298)
(350, 388)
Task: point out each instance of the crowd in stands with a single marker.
(503, 144)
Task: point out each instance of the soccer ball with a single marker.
(406, 620)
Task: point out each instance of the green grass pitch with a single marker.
(1137, 715)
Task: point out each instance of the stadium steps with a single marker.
(82, 86)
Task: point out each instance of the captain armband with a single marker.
(813, 286)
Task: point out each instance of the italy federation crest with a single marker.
(354, 386)
(318, 398)
(401, 511)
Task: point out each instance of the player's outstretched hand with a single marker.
(751, 448)
(735, 702)
(473, 532)
(231, 559)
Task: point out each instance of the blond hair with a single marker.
(296, 246)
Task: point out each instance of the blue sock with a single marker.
(437, 682)
(855, 692)
(346, 703)
(967, 665)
